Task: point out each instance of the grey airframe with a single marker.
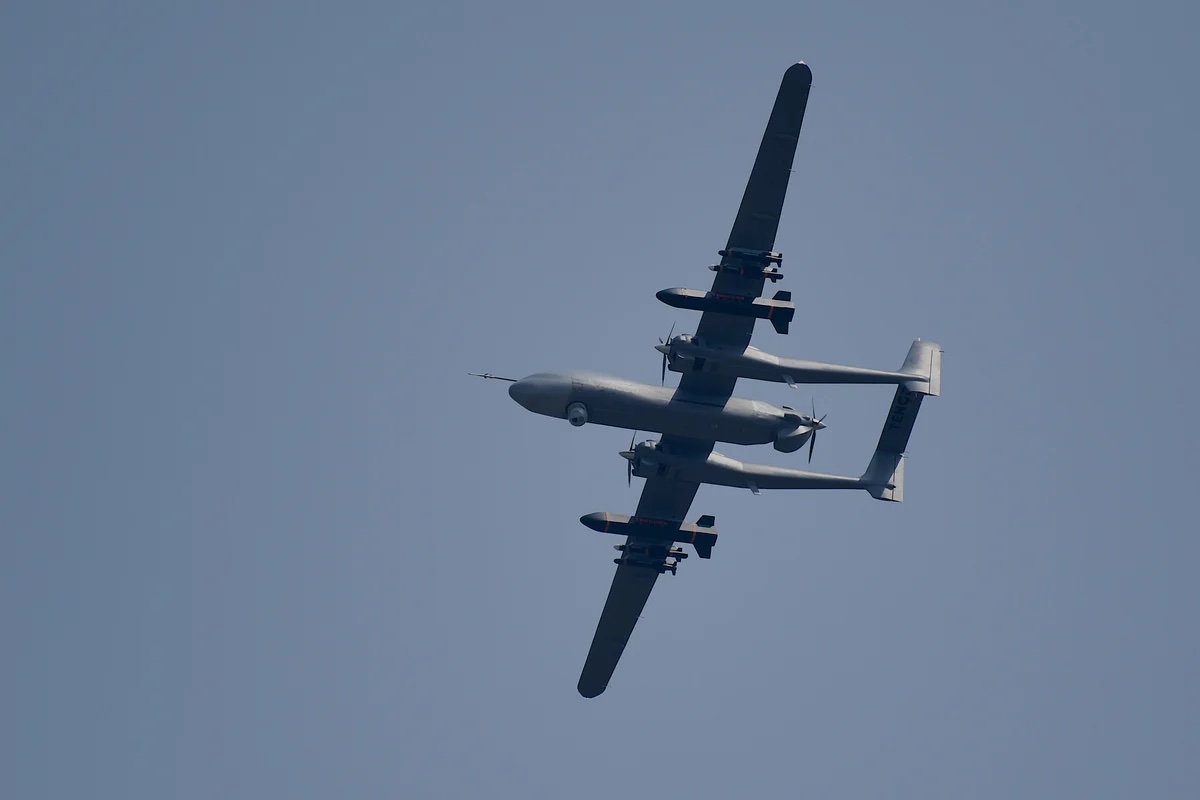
(702, 410)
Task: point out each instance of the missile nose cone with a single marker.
(597, 521)
(676, 298)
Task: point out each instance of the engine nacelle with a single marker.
(577, 414)
(790, 441)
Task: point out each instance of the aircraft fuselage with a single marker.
(584, 397)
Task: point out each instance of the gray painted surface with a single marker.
(686, 353)
(622, 403)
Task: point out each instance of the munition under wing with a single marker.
(778, 310)
(701, 535)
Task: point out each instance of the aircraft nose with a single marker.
(522, 391)
(542, 393)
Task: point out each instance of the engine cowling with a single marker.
(577, 414)
(789, 441)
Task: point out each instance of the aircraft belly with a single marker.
(768, 477)
(737, 423)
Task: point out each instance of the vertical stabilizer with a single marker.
(924, 360)
(884, 478)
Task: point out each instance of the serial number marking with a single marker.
(897, 412)
(660, 523)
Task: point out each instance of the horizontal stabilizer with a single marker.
(924, 360)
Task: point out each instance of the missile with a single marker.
(658, 566)
(701, 535)
(778, 310)
(743, 261)
(767, 256)
(741, 268)
(676, 553)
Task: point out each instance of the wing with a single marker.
(630, 589)
(758, 216)
(755, 226)
(662, 498)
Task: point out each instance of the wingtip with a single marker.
(590, 691)
(798, 71)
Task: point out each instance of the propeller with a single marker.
(816, 426)
(629, 455)
(665, 349)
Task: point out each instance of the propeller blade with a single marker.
(629, 463)
(666, 348)
(816, 425)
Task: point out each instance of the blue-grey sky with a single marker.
(260, 536)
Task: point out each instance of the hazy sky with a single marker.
(261, 536)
